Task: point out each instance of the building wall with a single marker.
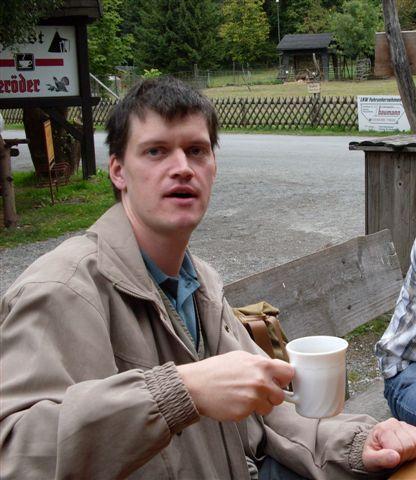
(383, 66)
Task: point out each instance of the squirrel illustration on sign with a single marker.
(60, 85)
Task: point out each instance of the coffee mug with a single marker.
(320, 374)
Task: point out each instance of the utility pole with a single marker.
(400, 61)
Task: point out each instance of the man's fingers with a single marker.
(389, 443)
(381, 459)
(282, 372)
(276, 396)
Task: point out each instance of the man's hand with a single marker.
(234, 385)
(389, 444)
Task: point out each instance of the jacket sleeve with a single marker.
(66, 412)
(320, 449)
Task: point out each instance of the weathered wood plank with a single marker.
(331, 291)
(373, 192)
(388, 144)
(401, 234)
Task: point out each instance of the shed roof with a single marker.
(89, 9)
(305, 41)
(393, 143)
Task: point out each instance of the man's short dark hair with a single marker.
(170, 98)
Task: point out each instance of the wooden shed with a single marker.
(297, 51)
(383, 67)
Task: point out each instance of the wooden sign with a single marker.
(44, 66)
(383, 66)
(50, 152)
(314, 87)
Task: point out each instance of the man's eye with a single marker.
(153, 152)
(196, 151)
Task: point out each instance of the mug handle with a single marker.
(291, 397)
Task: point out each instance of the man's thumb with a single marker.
(381, 459)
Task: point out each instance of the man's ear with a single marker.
(116, 172)
(215, 161)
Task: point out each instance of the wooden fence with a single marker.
(251, 113)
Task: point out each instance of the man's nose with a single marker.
(180, 164)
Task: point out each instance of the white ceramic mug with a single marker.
(320, 373)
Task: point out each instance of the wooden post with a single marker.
(401, 66)
(87, 144)
(7, 188)
(390, 186)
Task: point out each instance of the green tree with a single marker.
(245, 29)
(18, 18)
(354, 28)
(293, 14)
(174, 35)
(407, 14)
(107, 46)
(317, 18)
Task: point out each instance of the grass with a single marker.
(299, 89)
(78, 205)
(377, 326)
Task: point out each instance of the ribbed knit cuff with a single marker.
(173, 399)
(355, 458)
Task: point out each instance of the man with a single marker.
(396, 351)
(122, 359)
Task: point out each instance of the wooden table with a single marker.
(406, 472)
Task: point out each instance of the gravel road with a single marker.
(276, 198)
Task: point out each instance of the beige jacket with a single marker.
(89, 384)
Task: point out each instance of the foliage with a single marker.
(245, 29)
(354, 28)
(78, 205)
(18, 18)
(298, 16)
(407, 14)
(107, 46)
(316, 19)
(174, 35)
(152, 73)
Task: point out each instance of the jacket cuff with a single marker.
(173, 399)
(355, 458)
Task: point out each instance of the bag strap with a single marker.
(260, 335)
(278, 330)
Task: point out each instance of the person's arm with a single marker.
(66, 412)
(330, 448)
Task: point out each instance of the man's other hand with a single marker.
(234, 385)
(389, 444)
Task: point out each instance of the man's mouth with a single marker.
(181, 195)
(181, 192)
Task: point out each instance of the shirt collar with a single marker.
(187, 268)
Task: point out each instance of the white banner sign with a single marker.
(381, 114)
(45, 66)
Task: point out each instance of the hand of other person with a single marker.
(389, 444)
(234, 385)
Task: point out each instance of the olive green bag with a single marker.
(262, 323)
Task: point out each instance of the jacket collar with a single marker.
(120, 261)
(119, 258)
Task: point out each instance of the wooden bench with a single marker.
(331, 292)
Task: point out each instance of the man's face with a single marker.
(166, 175)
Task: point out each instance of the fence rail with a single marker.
(275, 113)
